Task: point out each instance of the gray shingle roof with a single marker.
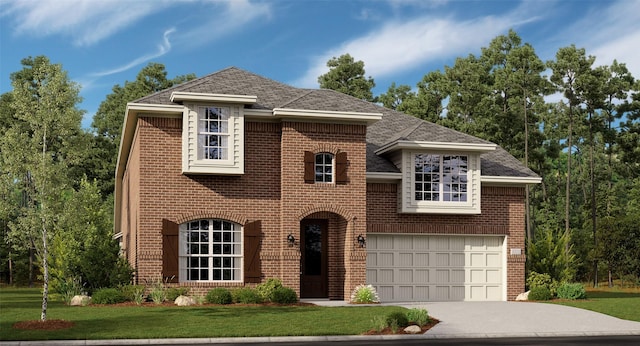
(393, 125)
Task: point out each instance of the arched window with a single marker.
(210, 250)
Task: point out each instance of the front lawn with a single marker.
(624, 304)
(203, 321)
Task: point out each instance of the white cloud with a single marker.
(86, 22)
(401, 45)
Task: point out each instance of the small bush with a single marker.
(542, 280)
(108, 296)
(134, 293)
(219, 295)
(540, 293)
(572, 291)
(158, 292)
(379, 323)
(418, 316)
(397, 319)
(266, 288)
(175, 292)
(364, 294)
(246, 295)
(284, 295)
(68, 288)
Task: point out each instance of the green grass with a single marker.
(204, 321)
(624, 304)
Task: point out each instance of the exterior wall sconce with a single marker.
(361, 241)
(291, 240)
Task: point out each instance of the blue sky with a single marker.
(101, 43)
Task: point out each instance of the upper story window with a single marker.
(213, 133)
(441, 178)
(324, 168)
(210, 250)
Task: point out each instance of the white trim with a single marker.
(382, 176)
(439, 146)
(178, 96)
(368, 118)
(491, 179)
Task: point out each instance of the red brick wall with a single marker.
(502, 214)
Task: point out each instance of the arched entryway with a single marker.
(322, 255)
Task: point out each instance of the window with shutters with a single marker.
(210, 250)
(325, 167)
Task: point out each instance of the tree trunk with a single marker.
(45, 269)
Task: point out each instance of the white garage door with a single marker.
(435, 268)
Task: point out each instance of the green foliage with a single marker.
(418, 316)
(246, 295)
(68, 288)
(540, 293)
(219, 295)
(398, 318)
(348, 77)
(108, 296)
(535, 280)
(175, 292)
(571, 291)
(364, 294)
(267, 288)
(551, 253)
(284, 295)
(158, 291)
(134, 293)
(379, 323)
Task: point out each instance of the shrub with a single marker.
(219, 295)
(540, 293)
(364, 294)
(266, 288)
(175, 292)
(108, 296)
(379, 323)
(246, 295)
(418, 316)
(398, 319)
(284, 295)
(542, 280)
(158, 292)
(68, 288)
(133, 293)
(571, 291)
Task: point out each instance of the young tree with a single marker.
(348, 77)
(38, 148)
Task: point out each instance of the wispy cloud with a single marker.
(163, 48)
(85, 22)
(401, 45)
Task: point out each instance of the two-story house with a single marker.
(233, 178)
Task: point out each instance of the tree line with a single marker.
(57, 179)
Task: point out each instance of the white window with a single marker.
(324, 168)
(213, 133)
(210, 250)
(440, 178)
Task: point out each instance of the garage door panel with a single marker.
(435, 268)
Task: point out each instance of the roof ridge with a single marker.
(305, 93)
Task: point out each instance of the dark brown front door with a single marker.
(313, 247)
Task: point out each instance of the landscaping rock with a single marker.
(184, 301)
(523, 296)
(80, 301)
(413, 329)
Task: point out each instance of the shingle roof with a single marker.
(393, 125)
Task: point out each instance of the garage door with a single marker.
(435, 268)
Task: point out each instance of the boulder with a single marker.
(184, 301)
(81, 300)
(413, 329)
(523, 296)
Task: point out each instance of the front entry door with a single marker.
(314, 279)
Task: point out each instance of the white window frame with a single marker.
(407, 202)
(207, 131)
(322, 175)
(196, 240)
(441, 193)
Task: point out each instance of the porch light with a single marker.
(291, 240)
(361, 241)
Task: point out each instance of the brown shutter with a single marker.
(169, 251)
(252, 232)
(309, 167)
(342, 165)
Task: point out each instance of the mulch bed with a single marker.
(43, 325)
(400, 331)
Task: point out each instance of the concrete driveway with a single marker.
(519, 319)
